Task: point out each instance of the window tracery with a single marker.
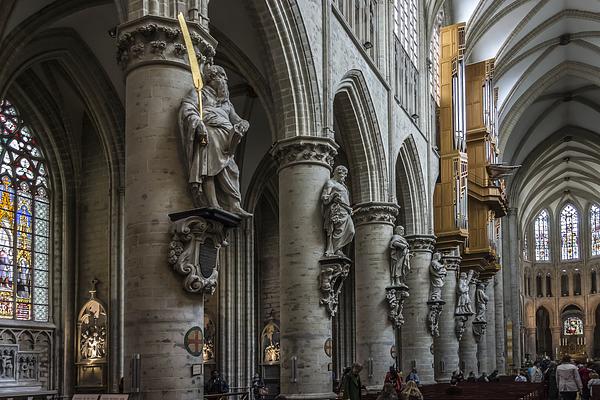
(595, 228)
(542, 237)
(569, 228)
(406, 27)
(24, 221)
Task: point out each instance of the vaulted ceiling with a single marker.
(547, 72)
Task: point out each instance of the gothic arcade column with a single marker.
(416, 339)
(468, 345)
(531, 343)
(555, 332)
(499, 317)
(490, 331)
(158, 312)
(304, 167)
(375, 335)
(588, 331)
(446, 344)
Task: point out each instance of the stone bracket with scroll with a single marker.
(395, 296)
(334, 271)
(198, 236)
(479, 328)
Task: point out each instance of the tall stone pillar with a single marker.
(416, 339)
(304, 167)
(446, 344)
(530, 343)
(158, 312)
(588, 331)
(490, 332)
(500, 328)
(481, 326)
(511, 285)
(468, 345)
(555, 331)
(374, 223)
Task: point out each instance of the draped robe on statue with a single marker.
(215, 158)
(337, 215)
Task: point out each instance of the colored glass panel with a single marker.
(542, 237)
(595, 227)
(573, 326)
(24, 221)
(569, 229)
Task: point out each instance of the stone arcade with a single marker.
(287, 187)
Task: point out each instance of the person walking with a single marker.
(584, 374)
(550, 380)
(568, 379)
(351, 386)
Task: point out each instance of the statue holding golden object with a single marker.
(210, 131)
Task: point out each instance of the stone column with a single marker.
(374, 223)
(588, 331)
(500, 328)
(555, 331)
(490, 331)
(304, 167)
(481, 332)
(416, 339)
(158, 312)
(446, 344)
(468, 345)
(511, 285)
(530, 343)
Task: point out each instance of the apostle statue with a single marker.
(337, 213)
(481, 300)
(437, 276)
(400, 258)
(209, 143)
(463, 305)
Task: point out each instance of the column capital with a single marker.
(421, 243)
(451, 258)
(304, 150)
(375, 213)
(152, 39)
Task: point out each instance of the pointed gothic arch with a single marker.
(411, 190)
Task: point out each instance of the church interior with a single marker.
(271, 191)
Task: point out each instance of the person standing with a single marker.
(351, 386)
(411, 392)
(216, 384)
(550, 379)
(536, 373)
(568, 379)
(393, 378)
(584, 374)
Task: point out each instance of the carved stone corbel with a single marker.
(334, 271)
(395, 296)
(479, 328)
(433, 317)
(198, 235)
(459, 329)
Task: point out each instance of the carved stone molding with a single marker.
(479, 328)
(395, 296)
(421, 243)
(375, 213)
(305, 150)
(451, 258)
(334, 271)
(198, 235)
(433, 317)
(154, 39)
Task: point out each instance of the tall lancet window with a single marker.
(595, 227)
(24, 221)
(542, 237)
(569, 224)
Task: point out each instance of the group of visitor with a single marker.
(564, 381)
(394, 388)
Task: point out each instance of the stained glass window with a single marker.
(24, 221)
(569, 246)
(573, 326)
(595, 227)
(542, 237)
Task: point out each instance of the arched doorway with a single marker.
(572, 341)
(543, 333)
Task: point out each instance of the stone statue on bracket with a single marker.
(437, 277)
(337, 213)
(209, 140)
(481, 300)
(400, 258)
(463, 304)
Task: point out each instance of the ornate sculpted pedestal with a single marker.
(334, 271)
(433, 317)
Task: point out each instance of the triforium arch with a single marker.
(360, 138)
(411, 189)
